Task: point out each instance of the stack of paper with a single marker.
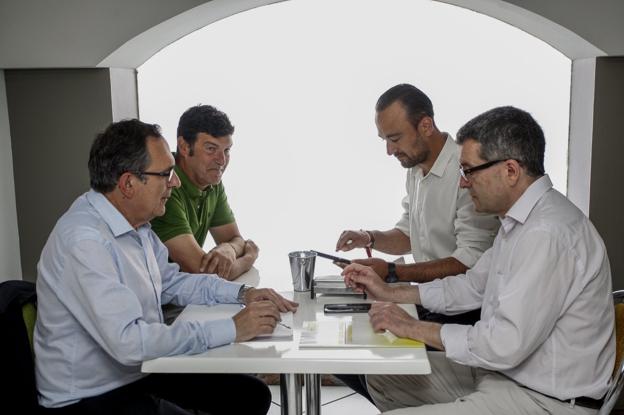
(332, 285)
(283, 330)
(353, 332)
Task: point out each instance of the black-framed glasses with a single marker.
(167, 173)
(465, 173)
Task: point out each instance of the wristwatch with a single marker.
(392, 276)
(241, 293)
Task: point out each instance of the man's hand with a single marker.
(268, 294)
(377, 264)
(257, 318)
(219, 260)
(364, 279)
(251, 249)
(389, 316)
(349, 240)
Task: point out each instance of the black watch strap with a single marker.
(392, 276)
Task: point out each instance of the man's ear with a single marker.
(513, 171)
(126, 184)
(183, 147)
(425, 126)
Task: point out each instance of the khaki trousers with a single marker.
(452, 388)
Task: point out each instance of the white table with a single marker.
(285, 357)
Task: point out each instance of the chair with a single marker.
(17, 319)
(611, 398)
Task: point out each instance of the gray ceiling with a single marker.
(83, 33)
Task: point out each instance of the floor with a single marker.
(335, 400)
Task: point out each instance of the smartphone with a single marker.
(346, 308)
(333, 258)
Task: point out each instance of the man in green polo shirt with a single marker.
(200, 205)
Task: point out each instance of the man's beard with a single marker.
(409, 162)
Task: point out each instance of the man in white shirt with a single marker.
(439, 226)
(545, 342)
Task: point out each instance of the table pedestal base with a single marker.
(290, 389)
(313, 394)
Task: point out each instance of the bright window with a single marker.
(299, 80)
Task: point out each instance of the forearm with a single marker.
(430, 270)
(184, 250)
(428, 333)
(241, 265)
(403, 294)
(392, 242)
(189, 261)
(238, 244)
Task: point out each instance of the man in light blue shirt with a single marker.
(102, 278)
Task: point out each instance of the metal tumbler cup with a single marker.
(302, 269)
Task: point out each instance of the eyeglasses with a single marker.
(465, 173)
(168, 173)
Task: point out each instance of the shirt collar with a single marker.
(445, 156)
(188, 187)
(117, 223)
(520, 210)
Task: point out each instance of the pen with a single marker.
(368, 251)
(284, 325)
(333, 258)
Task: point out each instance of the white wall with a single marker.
(124, 100)
(10, 267)
(581, 129)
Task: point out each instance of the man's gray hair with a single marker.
(507, 133)
(121, 148)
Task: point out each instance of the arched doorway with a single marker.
(283, 147)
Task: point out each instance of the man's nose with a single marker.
(175, 181)
(390, 148)
(463, 183)
(220, 158)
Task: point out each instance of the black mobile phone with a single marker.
(333, 258)
(346, 308)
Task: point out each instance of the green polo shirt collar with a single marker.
(189, 188)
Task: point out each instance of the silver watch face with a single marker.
(241, 293)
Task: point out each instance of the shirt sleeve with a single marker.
(459, 293)
(404, 222)
(175, 221)
(183, 288)
(474, 231)
(223, 213)
(113, 315)
(540, 272)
